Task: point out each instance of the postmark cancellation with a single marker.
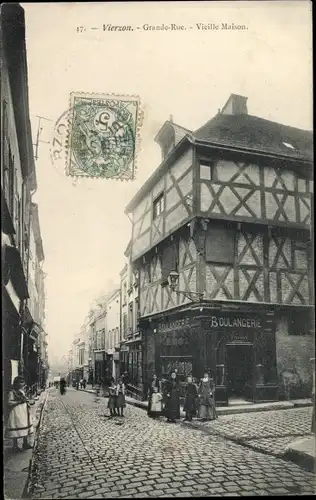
(103, 135)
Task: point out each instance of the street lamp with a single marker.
(173, 281)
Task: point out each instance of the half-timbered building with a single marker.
(229, 209)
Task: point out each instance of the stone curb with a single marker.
(37, 424)
(282, 405)
(301, 458)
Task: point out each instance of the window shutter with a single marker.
(169, 261)
(219, 245)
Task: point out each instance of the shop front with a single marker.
(236, 345)
(99, 366)
(241, 349)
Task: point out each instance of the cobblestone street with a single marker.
(268, 431)
(83, 454)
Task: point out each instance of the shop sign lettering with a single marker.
(173, 325)
(217, 322)
(175, 341)
(235, 337)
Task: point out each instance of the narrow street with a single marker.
(82, 453)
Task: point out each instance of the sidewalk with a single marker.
(17, 465)
(230, 410)
(303, 452)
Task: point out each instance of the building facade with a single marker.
(98, 329)
(18, 183)
(35, 344)
(228, 211)
(131, 340)
(112, 334)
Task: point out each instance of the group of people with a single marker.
(116, 402)
(199, 400)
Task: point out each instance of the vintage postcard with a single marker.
(157, 211)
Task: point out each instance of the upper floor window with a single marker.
(220, 245)
(159, 206)
(205, 171)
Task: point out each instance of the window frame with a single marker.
(159, 201)
(210, 165)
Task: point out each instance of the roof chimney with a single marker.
(171, 118)
(236, 105)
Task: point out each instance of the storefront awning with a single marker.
(6, 220)
(13, 270)
(133, 341)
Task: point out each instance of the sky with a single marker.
(188, 74)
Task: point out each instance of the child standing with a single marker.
(120, 397)
(156, 404)
(191, 396)
(112, 398)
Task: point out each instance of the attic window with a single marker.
(288, 145)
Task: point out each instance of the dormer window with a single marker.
(288, 145)
(168, 146)
(158, 206)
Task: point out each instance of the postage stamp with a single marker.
(103, 135)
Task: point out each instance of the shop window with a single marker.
(158, 205)
(183, 367)
(220, 245)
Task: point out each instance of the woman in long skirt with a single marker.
(155, 386)
(112, 398)
(19, 421)
(207, 398)
(120, 397)
(172, 399)
(191, 395)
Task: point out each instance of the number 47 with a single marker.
(80, 29)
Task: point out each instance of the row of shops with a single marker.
(241, 345)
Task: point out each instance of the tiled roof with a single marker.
(250, 132)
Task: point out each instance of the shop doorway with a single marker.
(240, 364)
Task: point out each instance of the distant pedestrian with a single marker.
(62, 386)
(19, 421)
(112, 398)
(84, 383)
(120, 397)
(81, 383)
(155, 386)
(172, 399)
(190, 401)
(207, 398)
